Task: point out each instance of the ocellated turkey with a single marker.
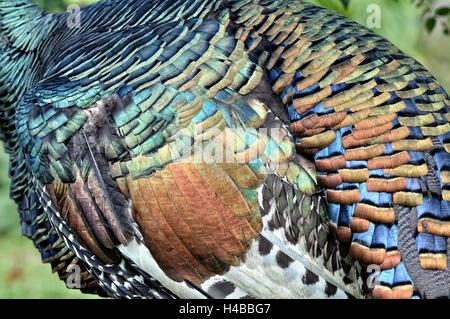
(225, 149)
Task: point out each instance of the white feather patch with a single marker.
(142, 257)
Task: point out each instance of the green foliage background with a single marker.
(22, 275)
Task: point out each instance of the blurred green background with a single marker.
(22, 275)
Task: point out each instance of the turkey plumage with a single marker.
(225, 149)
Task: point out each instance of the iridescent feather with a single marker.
(225, 149)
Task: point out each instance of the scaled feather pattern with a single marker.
(225, 149)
